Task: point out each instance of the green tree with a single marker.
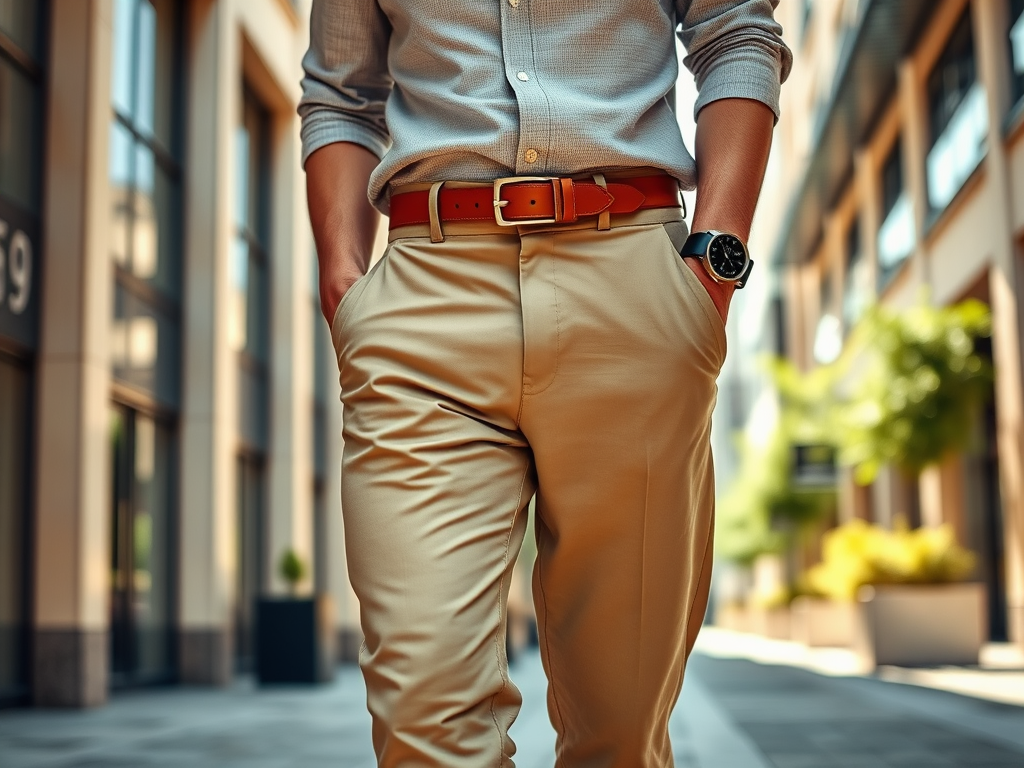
(909, 386)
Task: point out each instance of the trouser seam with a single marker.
(497, 632)
(547, 652)
(700, 576)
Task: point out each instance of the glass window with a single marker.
(856, 288)
(144, 168)
(20, 136)
(828, 336)
(14, 409)
(1017, 48)
(897, 236)
(145, 346)
(142, 614)
(249, 269)
(957, 117)
(19, 20)
(145, 72)
(808, 7)
(251, 556)
(145, 215)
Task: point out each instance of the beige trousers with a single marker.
(578, 365)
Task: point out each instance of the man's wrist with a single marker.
(335, 281)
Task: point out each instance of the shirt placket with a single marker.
(518, 25)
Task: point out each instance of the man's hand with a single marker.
(721, 293)
(734, 137)
(344, 223)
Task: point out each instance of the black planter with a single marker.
(293, 640)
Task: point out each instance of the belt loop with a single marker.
(604, 218)
(436, 233)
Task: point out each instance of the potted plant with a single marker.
(905, 593)
(904, 393)
(293, 633)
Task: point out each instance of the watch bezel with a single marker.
(715, 236)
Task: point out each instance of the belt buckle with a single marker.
(499, 203)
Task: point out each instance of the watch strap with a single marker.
(697, 244)
(742, 280)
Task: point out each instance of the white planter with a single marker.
(770, 622)
(919, 624)
(822, 623)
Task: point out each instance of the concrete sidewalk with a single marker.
(734, 713)
(301, 728)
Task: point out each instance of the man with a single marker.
(531, 337)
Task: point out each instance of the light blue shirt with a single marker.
(478, 89)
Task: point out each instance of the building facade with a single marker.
(899, 165)
(169, 424)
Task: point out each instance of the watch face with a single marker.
(727, 256)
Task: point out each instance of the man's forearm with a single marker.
(344, 223)
(734, 137)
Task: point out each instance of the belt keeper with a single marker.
(568, 200)
(604, 218)
(556, 191)
(436, 233)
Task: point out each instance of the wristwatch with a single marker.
(724, 255)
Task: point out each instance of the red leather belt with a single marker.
(521, 200)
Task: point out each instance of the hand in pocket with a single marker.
(720, 293)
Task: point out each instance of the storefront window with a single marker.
(251, 556)
(14, 405)
(897, 236)
(144, 240)
(250, 337)
(142, 616)
(21, 141)
(957, 117)
(20, 21)
(1017, 48)
(22, 80)
(250, 310)
(20, 136)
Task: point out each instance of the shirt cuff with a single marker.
(744, 73)
(325, 126)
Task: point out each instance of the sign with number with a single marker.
(814, 466)
(19, 275)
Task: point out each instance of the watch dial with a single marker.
(727, 256)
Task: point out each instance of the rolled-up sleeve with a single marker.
(734, 50)
(346, 83)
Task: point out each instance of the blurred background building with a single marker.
(898, 165)
(168, 418)
(169, 424)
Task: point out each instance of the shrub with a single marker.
(856, 554)
(292, 569)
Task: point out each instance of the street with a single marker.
(734, 713)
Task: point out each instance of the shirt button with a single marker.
(514, 3)
(522, 76)
(531, 156)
